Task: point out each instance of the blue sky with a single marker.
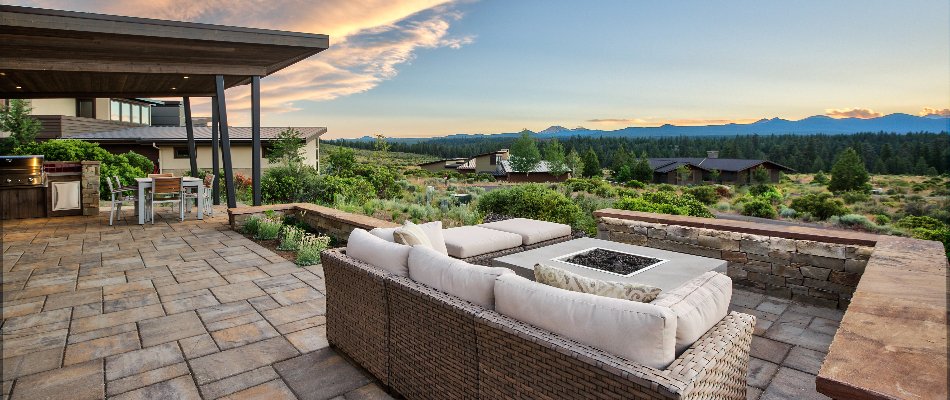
(429, 67)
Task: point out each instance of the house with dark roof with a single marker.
(167, 147)
(696, 170)
(495, 163)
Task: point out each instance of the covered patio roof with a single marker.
(52, 53)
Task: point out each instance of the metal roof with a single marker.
(709, 164)
(177, 134)
(542, 167)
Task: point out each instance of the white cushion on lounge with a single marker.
(432, 229)
(699, 305)
(471, 241)
(392, 257)
(474, 283)
(639, 332)
(531, 231)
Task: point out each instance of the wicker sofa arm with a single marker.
(716, 366)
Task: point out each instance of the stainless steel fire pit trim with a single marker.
(647, 268)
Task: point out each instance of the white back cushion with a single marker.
(639, 332)
(699, 305)
(432, 229)
(392, 257)
(474, 283)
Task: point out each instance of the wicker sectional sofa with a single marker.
(423, 343)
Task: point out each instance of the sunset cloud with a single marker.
(862, 113)
(369, 40)
(944, 112)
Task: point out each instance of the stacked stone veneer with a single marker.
(89, 187)
(809, 271)
(333, 222)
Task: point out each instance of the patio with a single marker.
(196, 310)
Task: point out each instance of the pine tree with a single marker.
(15, 118)
(849, 173)
(591, 164)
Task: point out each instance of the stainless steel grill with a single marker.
(22, 171)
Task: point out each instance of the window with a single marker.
(136, 114)
(115, 110)
(126, 112)
(493, 159)
(181, 152)
(147, 115)
(86, 108)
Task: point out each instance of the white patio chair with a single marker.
(166, 190)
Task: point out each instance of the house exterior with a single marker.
(64, 116)
(494, 163)
(167, 148)
(731, 170)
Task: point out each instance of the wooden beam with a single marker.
(190, 134)
(126, 66)
(225, 142)
(256, 139)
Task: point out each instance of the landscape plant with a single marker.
(664, 202)
(268, 228)
(530, 201)
(310, 247)
(553, 154)
(706, 194)
(849, 174)
(287, 148)
(758, 207)
(251, 225)
(591, 164)
(15, 118)
(127, 166)
(524, 154)
(819, 205)
(290, 238)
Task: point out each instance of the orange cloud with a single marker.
(369, 40)
(861, 113)
(943, 112)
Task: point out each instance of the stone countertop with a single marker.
(892, 342)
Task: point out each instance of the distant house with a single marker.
(494, 163)
(699, 170)
(167, 148)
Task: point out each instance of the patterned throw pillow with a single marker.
(411, 234)
(562, 279)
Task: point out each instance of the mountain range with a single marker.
(897, 122)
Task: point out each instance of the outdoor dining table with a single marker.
(144, 184)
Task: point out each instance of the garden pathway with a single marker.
(193, 310)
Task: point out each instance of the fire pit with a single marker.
(611, 261)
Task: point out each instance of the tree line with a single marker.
(883, 153)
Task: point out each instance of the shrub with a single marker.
(530, 201)
(856, 221)
(325, 189)
(268, 229)
(382, 178)
(706, 194)
(758, 207)
(126, 166)
(851, 197)
(723, 191)
(633, 183)
(290, 238)
(914, 222)
(252, 224)
(310, 247)
(283, 184)
(939, 235)
(849, 173)
(666, 187)
(819, 205)
(882, 219)
(786, 212)
(665, 203)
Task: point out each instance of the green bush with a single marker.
(290, 238)
(939, 235)
(325, 189)
(706, 194)
(882, 219)
(284, 184)
(666, 187)
(819, 205)
(310, 247)
(251, 225)
(530, 201)
(851, 197)
(126, 166)
(912, 222)
(268, 229)
(855, 221)
(633, 183)
(382, 178)
(758, 207)
(664, 203)
(596, 186)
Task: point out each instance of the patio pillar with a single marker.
(256, 138)
(215, 149)
(225, 140)
(190, 132)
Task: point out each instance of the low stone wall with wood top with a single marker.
(333, 222)
(808, 266)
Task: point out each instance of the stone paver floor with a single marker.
(193, 310)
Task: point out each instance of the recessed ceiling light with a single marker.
(186, 77)
(3, 73)
(174, 88)
(19, 87)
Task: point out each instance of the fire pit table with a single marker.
(612, 261)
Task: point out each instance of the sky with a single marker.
(417, 68)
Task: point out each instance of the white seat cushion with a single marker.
(699, 305)
(471, 241)
(639, 332)
(392, 257)
(474, 283)
(432, 229)
(531, 231)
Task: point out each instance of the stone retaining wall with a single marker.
(333, 222)
(808, 271)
